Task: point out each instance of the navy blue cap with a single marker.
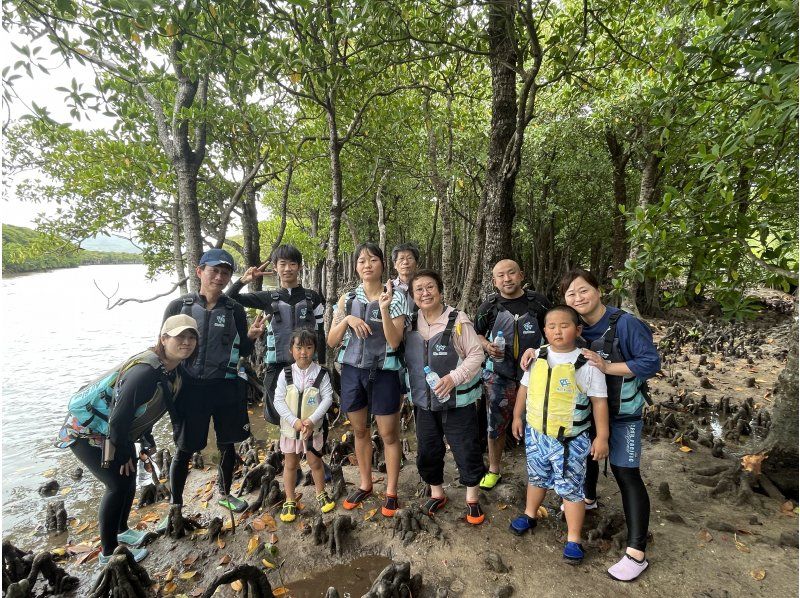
(215, 257)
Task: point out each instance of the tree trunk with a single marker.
(647, 190)
(781, 444)
(177, 251)
(332, 257)
(469, 298)
(501, 168)
(251, 234)
(619, 161)
(190, 212)
(381, 212)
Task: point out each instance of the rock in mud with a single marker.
(77, 474)
(663, 491)
(675, 518)
(49, 488)
(511, 492)
(789, 539)
(754, 520)
(706, 383)
(503, 591)
(495, 563)
(720, 526)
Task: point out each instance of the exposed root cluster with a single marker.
(55, 519)
(410, 520)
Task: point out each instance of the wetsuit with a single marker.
(637, 348)
(135, 387)
(212, 388)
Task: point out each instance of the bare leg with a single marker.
(472, 493)
(534, 496)
(574, 513)
(290, 474)
(317, 471)
(496, 446)
(358, 419)
(389, 429)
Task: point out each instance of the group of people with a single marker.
(569, 379)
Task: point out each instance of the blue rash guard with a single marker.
(635, 342)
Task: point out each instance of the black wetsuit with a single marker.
(136, 387)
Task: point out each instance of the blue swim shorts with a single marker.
(545, 457)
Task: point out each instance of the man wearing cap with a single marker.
(213, 389)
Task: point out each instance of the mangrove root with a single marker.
(319, 532)
(214, 529)
(412, 519)
(56, 517)
(49, 488)
(16, 564)
(254, 579)
(341, 526)
(122, 577)
(396, 580)
(338, 485)
(177, 524)
(197, 461)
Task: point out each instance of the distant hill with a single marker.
(26, 250)
(107, 243)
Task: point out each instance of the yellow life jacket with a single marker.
(302, 407)
(555, 405)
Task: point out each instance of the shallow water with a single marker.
(351, 579)
(58, 335)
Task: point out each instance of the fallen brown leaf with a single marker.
(170, 574)
(280, 591)
(79, 548)
(187, 575)
(787, 507)
(267, 564)
(189, 560)
(88, 556)
(252, 544)
(170, 587)
(197, 591)
(220, 543)
(225, 560)
(258, 524)
(685, 449)
(740, 546)
(752, 463)
(237, 586)
(273, 539)
(370, 514)
(704, 536)
(502, 506)
(758, 574)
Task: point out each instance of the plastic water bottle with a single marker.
(432, 378)
(500, 342)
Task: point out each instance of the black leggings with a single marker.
(635, 500)
(179, 471)
(115, 506)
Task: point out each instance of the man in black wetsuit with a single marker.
(288, 307)
(213, 389)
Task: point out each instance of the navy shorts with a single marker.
(385, 399)
(625, 442)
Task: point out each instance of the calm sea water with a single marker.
(58, 335)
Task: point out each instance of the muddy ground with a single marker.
(700, 547)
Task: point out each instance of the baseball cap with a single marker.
(215, 257)
(174, 325)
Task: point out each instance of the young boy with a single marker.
(303, 395)
(560, 392)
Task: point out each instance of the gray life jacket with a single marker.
(146, 416)
(285, 319)
(521, 333)
(218, 345)
(371, 353)
(626, 395)
(439, 353)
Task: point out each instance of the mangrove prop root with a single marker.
(395, 580)
(332, 593)
(147, 495)
(20, 589)
(49, 488)
(341, 526)
(319, 532)
(275, 458)
(214, 529)
(60, 582)
(377, 452)
(607, 527)
(16, 564)
(411, 520)
(727, 480)
(56, 517)
(163, 459)
(250, 458)
(252, 478)
(253, 578)
(338, 485)
(266, 485)
(122, 577)
(197, 461)
(177, 524)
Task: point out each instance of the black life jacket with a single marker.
(219, 342)
(285, 319)
(520, 332)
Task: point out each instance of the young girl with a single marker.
(302, 397)
(369, 323)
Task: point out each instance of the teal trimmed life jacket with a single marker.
(372, 353)
(521, 333)
(626, 395)
(92, 404)
(440, 355)
(218, 345)
(285, 318)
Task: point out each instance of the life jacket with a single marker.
(626, 395)
(302, 407)
(218, 345)
(521, 333)
(285, 319)
(372, 353)
(92, 404)
(555, 405)
(439, 353)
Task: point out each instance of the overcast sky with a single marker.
(40, 89)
